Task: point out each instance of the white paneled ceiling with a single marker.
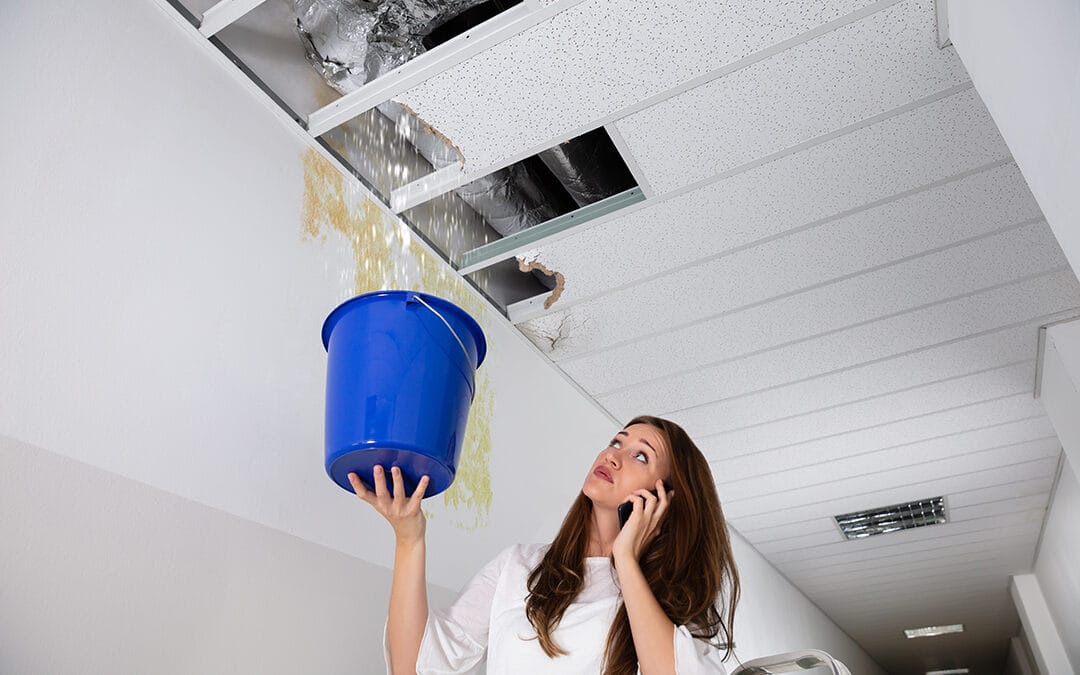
(835, 283)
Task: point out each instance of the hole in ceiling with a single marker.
(470, 18)
(307, 53)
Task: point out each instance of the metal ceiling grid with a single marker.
(599, 61)
(813, 90)
(802, 258)
(882, 162)
(889, 291)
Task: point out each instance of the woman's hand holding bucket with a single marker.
(402, 512)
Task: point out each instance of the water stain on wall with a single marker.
(387, 258)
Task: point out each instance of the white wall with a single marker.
(160, 303)
(1024, 59)
(104, 574)
(1057, 564)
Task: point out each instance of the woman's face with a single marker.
(635, 459)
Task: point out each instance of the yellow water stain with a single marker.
(386, 257)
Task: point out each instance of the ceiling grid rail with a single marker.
(470, 175)
(224, 14)
(490, 33)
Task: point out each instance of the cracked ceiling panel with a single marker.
(841, 78)
(595, 60)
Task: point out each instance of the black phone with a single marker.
(626, 508)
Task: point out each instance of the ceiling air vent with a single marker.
(862, 524)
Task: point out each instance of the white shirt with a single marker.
(489, 616)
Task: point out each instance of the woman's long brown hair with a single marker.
(688, 564)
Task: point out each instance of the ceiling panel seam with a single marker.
(831, 529)
(506, 25)
(951, 560)
(969, 454)
(821, 518)
(936, 479)
(698, 367)
(890, 392)
(974, 546)
(749, 166)
(989, 524)
(478, 172)
(704, 440)
(824, 521)
(718, 462)
(1015, 505)
(795, 291)
(1034, 323)
(568, 303)
(884, 589)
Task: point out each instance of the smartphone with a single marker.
(626, 508)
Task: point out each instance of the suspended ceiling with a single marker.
(835, 282)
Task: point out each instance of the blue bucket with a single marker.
(400, 378)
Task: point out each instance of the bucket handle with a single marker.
(420, 299)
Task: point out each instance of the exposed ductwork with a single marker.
(351, 42)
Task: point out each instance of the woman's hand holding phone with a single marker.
(402, 512)
(646, 510)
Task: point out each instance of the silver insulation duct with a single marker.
(353, 41)
(350, 42)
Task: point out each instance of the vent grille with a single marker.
(862, 524)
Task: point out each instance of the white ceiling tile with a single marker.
(732, 464)
(918, 539)
(985, 386)
(893, 575)
(1035, 489)
(595, 59)
(1017, 549)
(931, 143)
(938, 364)
(948, 475)
(993, 493)
(905, 286)
(1000, 507)
(1035, 475)
(955, 516)
(855, 72)
(912, 463)
(1017, 303)
(799, 259)
(927, 558)
(859, 596)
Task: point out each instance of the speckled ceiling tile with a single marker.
(941, 216)
(936, 324)
(594, 59)
(930, 143)
(1001, 258)
(853, 73)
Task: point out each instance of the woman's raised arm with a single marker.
(408, 592)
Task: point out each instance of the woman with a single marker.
(597, 599)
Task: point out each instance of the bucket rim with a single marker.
(335, 316)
